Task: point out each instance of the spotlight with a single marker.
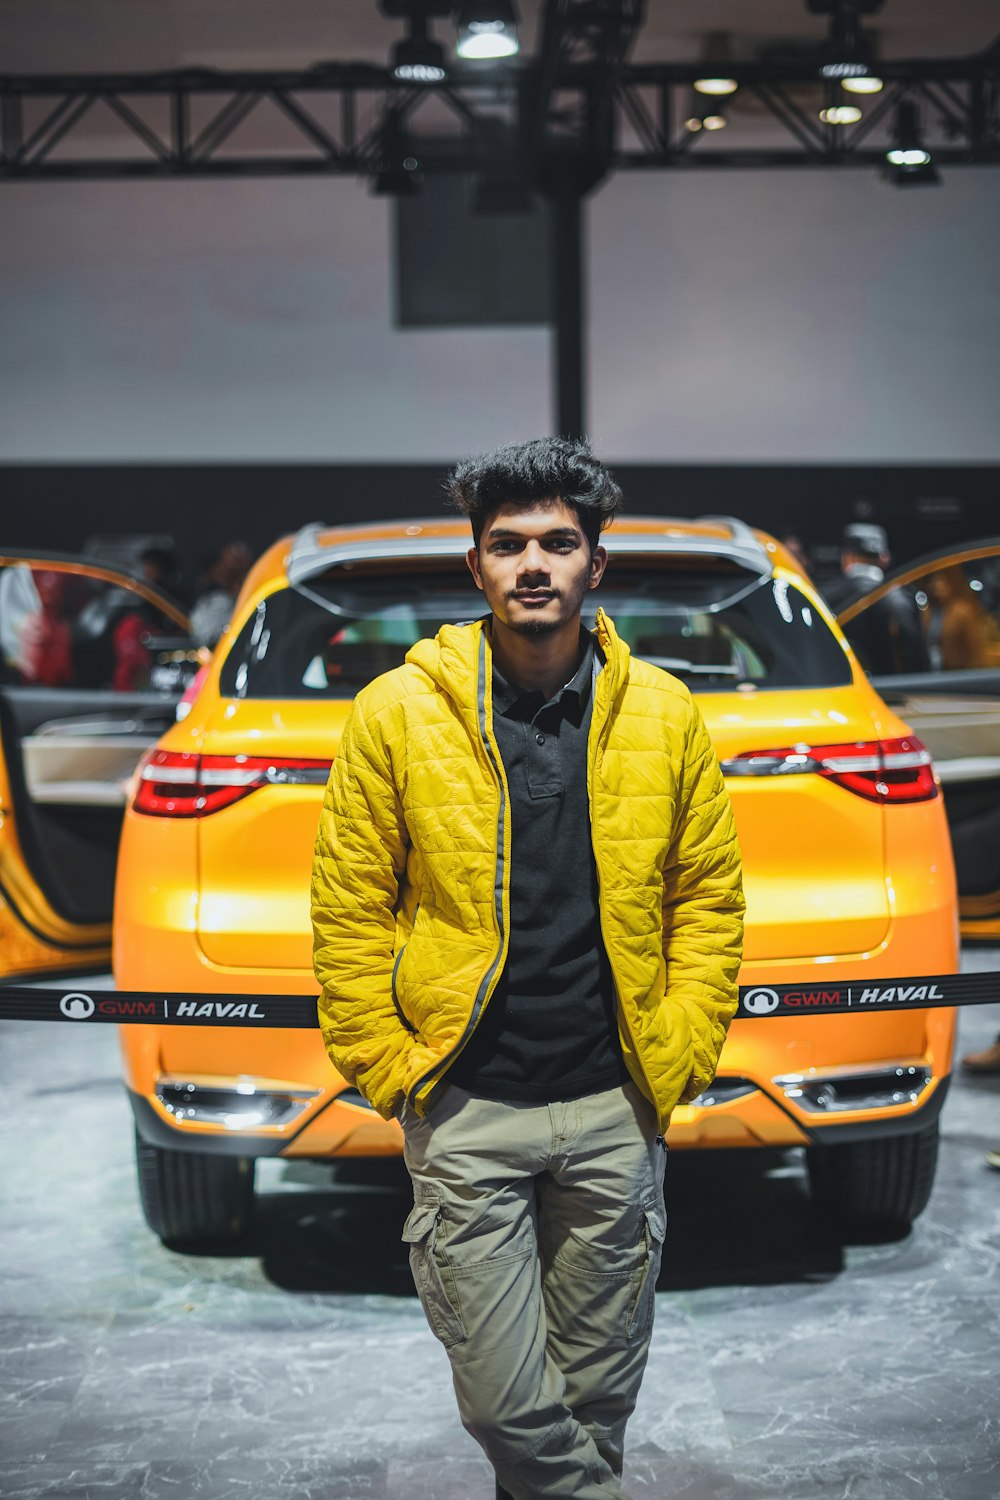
(848, 50)
(863, 83)
(911, 162)
(716, 86)
(846, 73)
(705, 116)
(840, 114)
(418, 58)
(487, 29)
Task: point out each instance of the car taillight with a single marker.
(175, 784)
(878, 770)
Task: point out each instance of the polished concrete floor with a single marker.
(784, 1365)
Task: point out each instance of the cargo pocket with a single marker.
(434, 1277)
(654, 1229)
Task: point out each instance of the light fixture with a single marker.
(418, 58)
(863, 83)
(840, 114)
(844, 72)
(911, 162)
(716, 86)
(397, 170)
(487, 30)
(847, 53)
(915, 157)
(705, 116)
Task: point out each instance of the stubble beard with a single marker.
(535, 628)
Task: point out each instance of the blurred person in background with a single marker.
(46, 643)
(888, 637)
(797, 547)
(141, 621)
(864, 558)
(219, 588)
(966, 634)
(161, 568)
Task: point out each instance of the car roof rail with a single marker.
(305, 549)
(740, 532)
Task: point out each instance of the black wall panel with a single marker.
(203, 505)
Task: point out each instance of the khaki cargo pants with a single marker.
(535, 1242)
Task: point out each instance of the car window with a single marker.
(716, 629)
(61, 628)
(948, 620)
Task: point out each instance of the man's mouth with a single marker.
(533, 596)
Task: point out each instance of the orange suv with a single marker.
(848, 865)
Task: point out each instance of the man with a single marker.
(864, 557)
(528, 918)
(888, 636)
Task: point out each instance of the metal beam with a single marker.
(586, 116)
(568, 294)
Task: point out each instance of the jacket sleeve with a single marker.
(703, 906)
(359, 858)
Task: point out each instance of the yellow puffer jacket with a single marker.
(410, 891)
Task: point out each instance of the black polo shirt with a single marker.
(549, 1031)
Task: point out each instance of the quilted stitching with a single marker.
(406, 857)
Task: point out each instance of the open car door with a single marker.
(929, 638)
(92, 664)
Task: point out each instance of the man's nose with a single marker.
(533, 559)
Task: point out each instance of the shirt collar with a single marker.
(576, 691)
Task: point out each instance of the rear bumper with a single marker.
(337, 1127)
(331, 1126)
(765, 1118)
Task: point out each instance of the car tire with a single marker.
(192, 1197)
(877, 1186)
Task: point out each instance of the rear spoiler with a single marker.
(309, 556)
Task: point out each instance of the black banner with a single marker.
(834, 997)
(757, 1002)
(19, 1003)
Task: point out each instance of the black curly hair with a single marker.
(525, 473)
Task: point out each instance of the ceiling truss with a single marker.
(580, 111)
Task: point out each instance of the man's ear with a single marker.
(598, 562)
(472, 562)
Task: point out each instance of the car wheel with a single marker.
(192, 1197)
(878, 1186)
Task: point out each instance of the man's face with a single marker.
(535, 565)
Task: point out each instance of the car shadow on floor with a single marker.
(735, 1217)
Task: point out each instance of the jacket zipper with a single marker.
(395, 967)
(604, 731)
(486, 984)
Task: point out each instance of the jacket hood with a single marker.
(451, 658)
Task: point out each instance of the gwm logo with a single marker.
(77, 1007)
(761, 1002)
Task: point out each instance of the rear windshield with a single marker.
(715, 629)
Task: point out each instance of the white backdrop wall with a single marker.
(804, 316)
